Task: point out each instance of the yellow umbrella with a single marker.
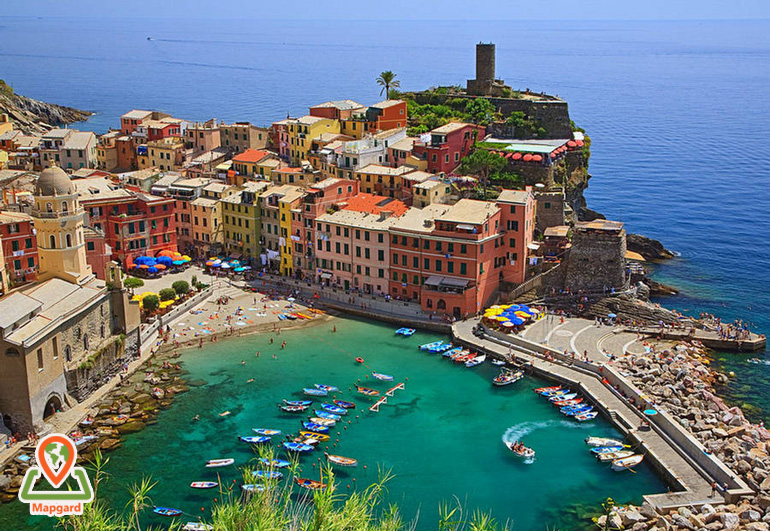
(523, 315)
(185, 257)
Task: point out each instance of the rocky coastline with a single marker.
(33, 116)
(678, 378)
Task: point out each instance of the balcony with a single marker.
(442, 284)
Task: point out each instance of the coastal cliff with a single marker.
(32, 116)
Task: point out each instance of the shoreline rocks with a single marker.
(650, 249)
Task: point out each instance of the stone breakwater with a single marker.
(127, 409)
(677, 378)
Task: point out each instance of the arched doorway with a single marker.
(441, 304)
(52, 406)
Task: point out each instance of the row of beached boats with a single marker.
(615, 452)
(569, 403)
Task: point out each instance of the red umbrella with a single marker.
(571, 143)
(527, 157)
(579, 142)
(554, 154)
(537, 158)
(516, 156)
(508, 155)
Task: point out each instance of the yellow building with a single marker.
(3, 160)
(241, 220)
(5, 123)
(291, 200)
(166, 154)
(303, 130)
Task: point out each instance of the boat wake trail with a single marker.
(519, 431)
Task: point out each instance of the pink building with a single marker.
(448, 145)
(352, 243)
(518, 209)
(98, 253)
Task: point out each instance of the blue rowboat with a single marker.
(428, 346)
(582, 417)
(326, 415)
(312, 391)
(327, 388)
(292, 409)
(257, 439)
(297, 447)
(606, 449)
(312, 426)
(266, 431)
(297, 402)
(405, 331)
(166, 511)
(451, 352)
(578, 408)
(383, 377)
(331, 408)
(575, 412)
(344, 404)
(557, 398)
(274, 463)
(267, 474)
(253, 487)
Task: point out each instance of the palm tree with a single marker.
(387, 80)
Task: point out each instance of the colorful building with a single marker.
(382, 116)
(166, 154)
(448, 145)
(337, 110)
(241, 221)
(518, 209)
(240, 136)
(250, 163)
(19, 247)
(301, 132)
(202, 137)
(289, 211)
(98, 252)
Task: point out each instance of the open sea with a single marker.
(677, 112)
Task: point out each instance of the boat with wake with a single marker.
(520, 450)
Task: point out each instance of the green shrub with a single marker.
(167, 294)
(150, 303)
(181, 287)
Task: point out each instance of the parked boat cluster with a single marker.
(615, 452)
(569, 403)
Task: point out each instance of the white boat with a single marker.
(478, 360)
(215, 463)
(582, 417)
(614, 456)
(323, 422)
(197, 526)
(627, 462)
(497, 362)
(603, 441)
(203, 484)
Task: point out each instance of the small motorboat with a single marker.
(341, 461)
(478, 360)
(216, 463)
(297, 447)
(203, 484)
(452, 352)
(274, 463)
(327, 388)
(293, 409)
(318, 428)
(582, 417)
(253, 487)
(336, 410)
(225, 414)
(256, 439)
(613, 456)
(266, 431)
(166, 511)
(366, 391)
(405, 331)
(520, 450)
(570, 402)
(497, 362)
(605, 449)
(344, 404)
(359, 360)
(602, 441)
(507, 377)
(267, 474)
(559, 398)
(558, 392)
(383, 377)
(571, 411)
(197, 526)
(309, 484)
(327, 415)
(297, 402)
(627, 462)
(314, 435)
(441, 348)
(323, 422)
(312, 391)
(428, 346)
(544, 390)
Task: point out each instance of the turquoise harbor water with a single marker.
(441, 436)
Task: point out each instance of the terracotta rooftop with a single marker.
(251, 156)
(374, 204)
(450, 127)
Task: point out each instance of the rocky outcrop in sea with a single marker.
(32, 116)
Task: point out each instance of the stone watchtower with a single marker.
(485, 83)
(597, 259)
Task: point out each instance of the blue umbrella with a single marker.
(247, 267)
(235, 262)
(141, 259)
(165, 260)
(238, 269)
(216, 264)
(516, 320)
(152, 270)
(611, 315)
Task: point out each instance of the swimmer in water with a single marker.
(196, 417)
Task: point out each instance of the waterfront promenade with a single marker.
(668, 447)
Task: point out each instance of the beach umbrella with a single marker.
(537, 158)
(517, 320)
(160, 267)
(152, 269)
(166, 252)
(527, 157)
(238, 269)
(291, 299)
(210, 263)
(579, 142)
(235, 262)
(523, 315)
(508, 324)
(165, 260)
(186, 258)
(178, 262)
(650, 412)
(216, 264)
(144, 266)
(611, 315)
(516, 156)
(218, 261)
(246, 267)
(225, 265)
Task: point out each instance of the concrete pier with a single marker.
(669, 448)
(708, 339)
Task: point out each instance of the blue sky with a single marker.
(398, 9)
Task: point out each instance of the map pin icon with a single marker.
(56, 455)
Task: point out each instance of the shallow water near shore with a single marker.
(441, 436)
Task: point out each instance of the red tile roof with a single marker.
(251, 155)
(374, 204)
